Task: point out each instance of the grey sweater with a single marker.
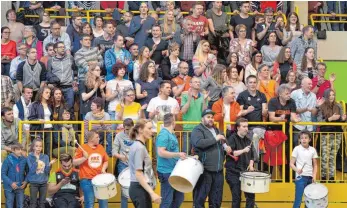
(83, 56)
(121, 144)
(31, 75)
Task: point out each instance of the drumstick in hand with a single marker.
(79, 145)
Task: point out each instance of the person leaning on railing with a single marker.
(331, 136)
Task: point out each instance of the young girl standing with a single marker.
(39, 168)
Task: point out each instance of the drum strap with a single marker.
(143, 164)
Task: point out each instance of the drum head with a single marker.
(316, 191)
(103, 179)
(124, 178)
(255, 174)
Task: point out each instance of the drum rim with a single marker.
(268, 175)
(316, 198)
(103, 185)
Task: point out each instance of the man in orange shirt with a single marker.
(226, 109)
(92, 160)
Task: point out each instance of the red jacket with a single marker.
(218, 109)
(273, 146)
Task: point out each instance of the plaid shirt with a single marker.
(6, 89)
(188, 46)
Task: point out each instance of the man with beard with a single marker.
(64, 184)
(242, 148)
(207, 142)
(9, 131)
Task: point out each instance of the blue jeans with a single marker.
(14, 194)
(89, 197)
(113, 118)
(171, 197)
(124, 201)
(186, 147)
(300, 185)
(69, 96)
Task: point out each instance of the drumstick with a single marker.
(79, 145)
(236, 158)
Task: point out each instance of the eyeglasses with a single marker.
(57, 28)
(61, 47)
(6, 32)
(20, 49)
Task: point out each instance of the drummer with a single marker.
(120, 150)
(207, 142)
(92, 160)
(168, 154)
(241, 159)
(304, 163)
(142, 178)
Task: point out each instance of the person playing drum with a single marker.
(207, 143)
(168, 155)
(120, 150)
(142, 178)
(304, 163)
(92, 160)
(241, 159)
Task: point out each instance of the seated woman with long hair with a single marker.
(251, 68)
(203, 61)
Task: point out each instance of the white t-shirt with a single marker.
(164, 107)
(304, 156)
(112, 85)
(227, 114)
(174, 66)
(47, 118)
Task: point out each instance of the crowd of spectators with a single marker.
(148, 65)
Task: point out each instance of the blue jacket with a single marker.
(110, 60)
(13, 170)
(32, 176)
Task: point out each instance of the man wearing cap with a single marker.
(209, 144)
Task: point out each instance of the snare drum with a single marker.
(316, 196)
(124, 181)
(104, 186)
(255, 182)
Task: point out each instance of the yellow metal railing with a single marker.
(296, 10)
(51, 132)
(283, 125)
(88, 13)
(327, 21)
(314, 138)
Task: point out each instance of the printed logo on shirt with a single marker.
(95, 160)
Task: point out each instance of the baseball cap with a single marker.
(207, 111)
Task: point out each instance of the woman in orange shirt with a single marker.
(265, 84)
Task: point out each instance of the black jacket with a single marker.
(238, 143)
(37, 112)
(210, 152)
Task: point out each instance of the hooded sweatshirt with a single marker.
(38, 169)
(328, 109)
(13, 170)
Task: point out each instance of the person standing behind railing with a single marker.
(140, 25)
(331, 136)
(337, 7)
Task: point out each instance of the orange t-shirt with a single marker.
(96, 159)
(269, 90)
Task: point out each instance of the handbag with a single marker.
(322, 35)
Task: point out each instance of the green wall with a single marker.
(340, 69)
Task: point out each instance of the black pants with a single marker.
(139, 196)
(233, 179)
(210, 184)
(66, 201)
(42, 190)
